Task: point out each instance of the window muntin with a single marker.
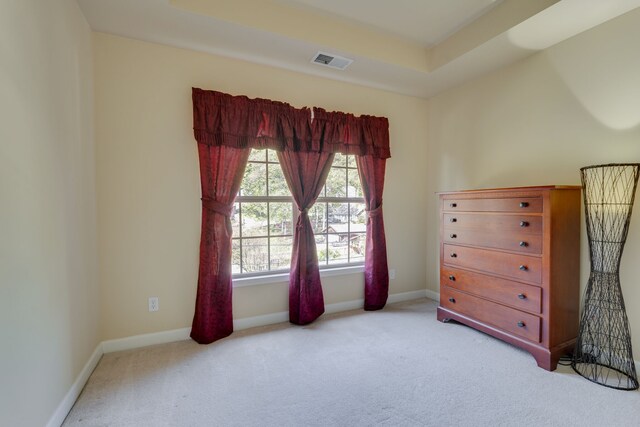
(264, 217)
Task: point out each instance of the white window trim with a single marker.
(241, 282)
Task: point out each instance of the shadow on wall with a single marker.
(601, 70)
(586, 62)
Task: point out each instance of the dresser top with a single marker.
(531, 188)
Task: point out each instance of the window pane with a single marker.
(337, 183)
(254, 182)
(351, 161)
(254, 255)
(321, 248)
(338, 217)
(272, 156)
(281, 218)
(281, 252)
(339, 160)
(338, 248)
(235, 220)
(235, 257)
(356, 247)
(257, 155)
(277, 183)
(354, 188)
(263, 231)
(254, 219)
(338, 236)
(318, 217)
(358, 218)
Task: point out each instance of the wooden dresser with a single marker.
(509, 266)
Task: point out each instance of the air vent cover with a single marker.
(330, 60)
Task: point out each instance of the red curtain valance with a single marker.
(240, 122)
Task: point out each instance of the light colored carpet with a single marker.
(396, 367)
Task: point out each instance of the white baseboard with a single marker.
(433, 295)
(338, 307)
(266, 319)
(406, 296)
(145, 340)
(163, 337)
(70, 398)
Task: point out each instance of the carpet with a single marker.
(395, 367)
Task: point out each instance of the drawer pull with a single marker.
(453, 300)
(521, 324)
(453, 220)
(454, 255)
(453, 236)
(453, 205)
(523, 244)
(524, 224)
(524, 204)
(523, 268)
(452, 278)
(522, 296)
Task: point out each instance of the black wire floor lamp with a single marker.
(603, 348)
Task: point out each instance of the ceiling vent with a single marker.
(330, 60)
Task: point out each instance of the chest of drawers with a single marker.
(509, 266)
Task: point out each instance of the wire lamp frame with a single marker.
(603, 348)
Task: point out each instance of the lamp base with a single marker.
(605, 375)
(603, 352)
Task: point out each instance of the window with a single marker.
(264, 217)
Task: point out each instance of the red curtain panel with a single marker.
(305, 173)
(226, 128)
(221, 171)
(376, 270)
(240, 122)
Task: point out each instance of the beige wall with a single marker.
(538, 122)
(149, 190)
(49, 312)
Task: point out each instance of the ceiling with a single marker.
(424, 22)
(412, 47)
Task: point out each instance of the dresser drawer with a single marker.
(519, 267)
(520, 204)
(512, 241)
(495, 223)
(516, 322)
(514, 294)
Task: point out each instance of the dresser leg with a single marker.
(442, 317)
(547, 361)
(550, 361)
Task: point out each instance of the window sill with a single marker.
(241, 282)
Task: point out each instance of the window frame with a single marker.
(326, 268)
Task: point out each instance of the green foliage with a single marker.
(333, 254)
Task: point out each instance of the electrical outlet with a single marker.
(154, 304)
(392, 274)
